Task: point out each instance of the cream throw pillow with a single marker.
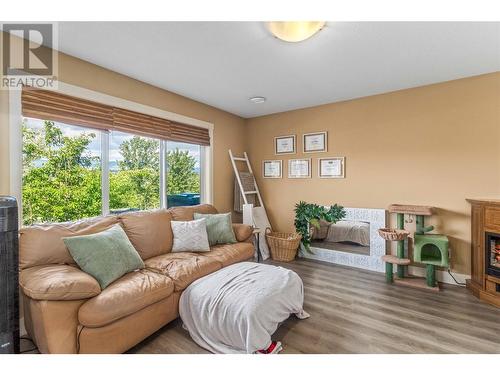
(190, 236)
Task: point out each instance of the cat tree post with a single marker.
(430, 275)
(419, 223)
(420, 229)
(401, 245)
(389, 272)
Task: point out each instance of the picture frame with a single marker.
(285, 144)
(315, 142)
(272, 168)
(331, 167)
(299, 168)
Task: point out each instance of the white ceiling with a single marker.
(223, 64)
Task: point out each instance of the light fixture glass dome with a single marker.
(294, 31)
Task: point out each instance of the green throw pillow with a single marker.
(219, 228)
(106, 255)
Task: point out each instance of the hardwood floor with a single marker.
(355, 311)
(342, 246)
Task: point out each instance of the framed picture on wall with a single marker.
(285, 144)
(333, 167)
(315, 142)
(299, 168)
(272, 168)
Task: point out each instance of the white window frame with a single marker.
(163, 174)
(16, 144)
(104, 172)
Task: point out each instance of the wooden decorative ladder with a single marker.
(244, 193)
(256, 216)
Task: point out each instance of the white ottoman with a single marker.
(238, 308)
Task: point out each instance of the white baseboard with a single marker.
(441, 276)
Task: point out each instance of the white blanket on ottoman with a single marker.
(238, 308)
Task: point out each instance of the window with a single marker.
(134, 173)
(61, 172)
(72, 172)
(183, 162)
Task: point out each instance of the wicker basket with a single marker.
(389, 234)
(283, 246)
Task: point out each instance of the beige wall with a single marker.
(432, 145)
(228, 128)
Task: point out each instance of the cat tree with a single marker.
(429, 249)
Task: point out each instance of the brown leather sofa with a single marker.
(65, 310)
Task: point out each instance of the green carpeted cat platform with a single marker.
(431, 249)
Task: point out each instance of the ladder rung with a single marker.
(240, 159)
(251, 192)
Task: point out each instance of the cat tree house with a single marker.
(429, 249)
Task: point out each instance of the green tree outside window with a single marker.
(62, 180)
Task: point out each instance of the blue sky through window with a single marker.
(94, 148)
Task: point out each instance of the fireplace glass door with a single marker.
(493, 254)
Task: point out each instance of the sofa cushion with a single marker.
(243, 232)
(149, 231)
(106, 255)
(43, 244)
(219, 228)
(57, 282)
(190, 236)
(127, 295)
(231, 253)
(185, 213)
(183, 268)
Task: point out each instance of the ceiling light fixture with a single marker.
(257, 99)
(296, 31)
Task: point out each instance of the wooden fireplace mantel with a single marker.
(485, 218)
(484, 201)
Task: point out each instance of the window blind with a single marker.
(140, 124)
(50, 105)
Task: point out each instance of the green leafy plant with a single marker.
(307, 214)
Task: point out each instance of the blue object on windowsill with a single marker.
(184, 199)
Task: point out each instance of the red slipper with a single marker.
(274, 348)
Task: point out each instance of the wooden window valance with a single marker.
(50, 105)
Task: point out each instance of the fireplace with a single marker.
(485, 236)
(493, 254)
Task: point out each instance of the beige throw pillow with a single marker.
(190, 236)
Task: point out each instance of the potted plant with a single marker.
(307, 214)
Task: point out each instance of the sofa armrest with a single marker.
(57, 282)
(242, 232)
